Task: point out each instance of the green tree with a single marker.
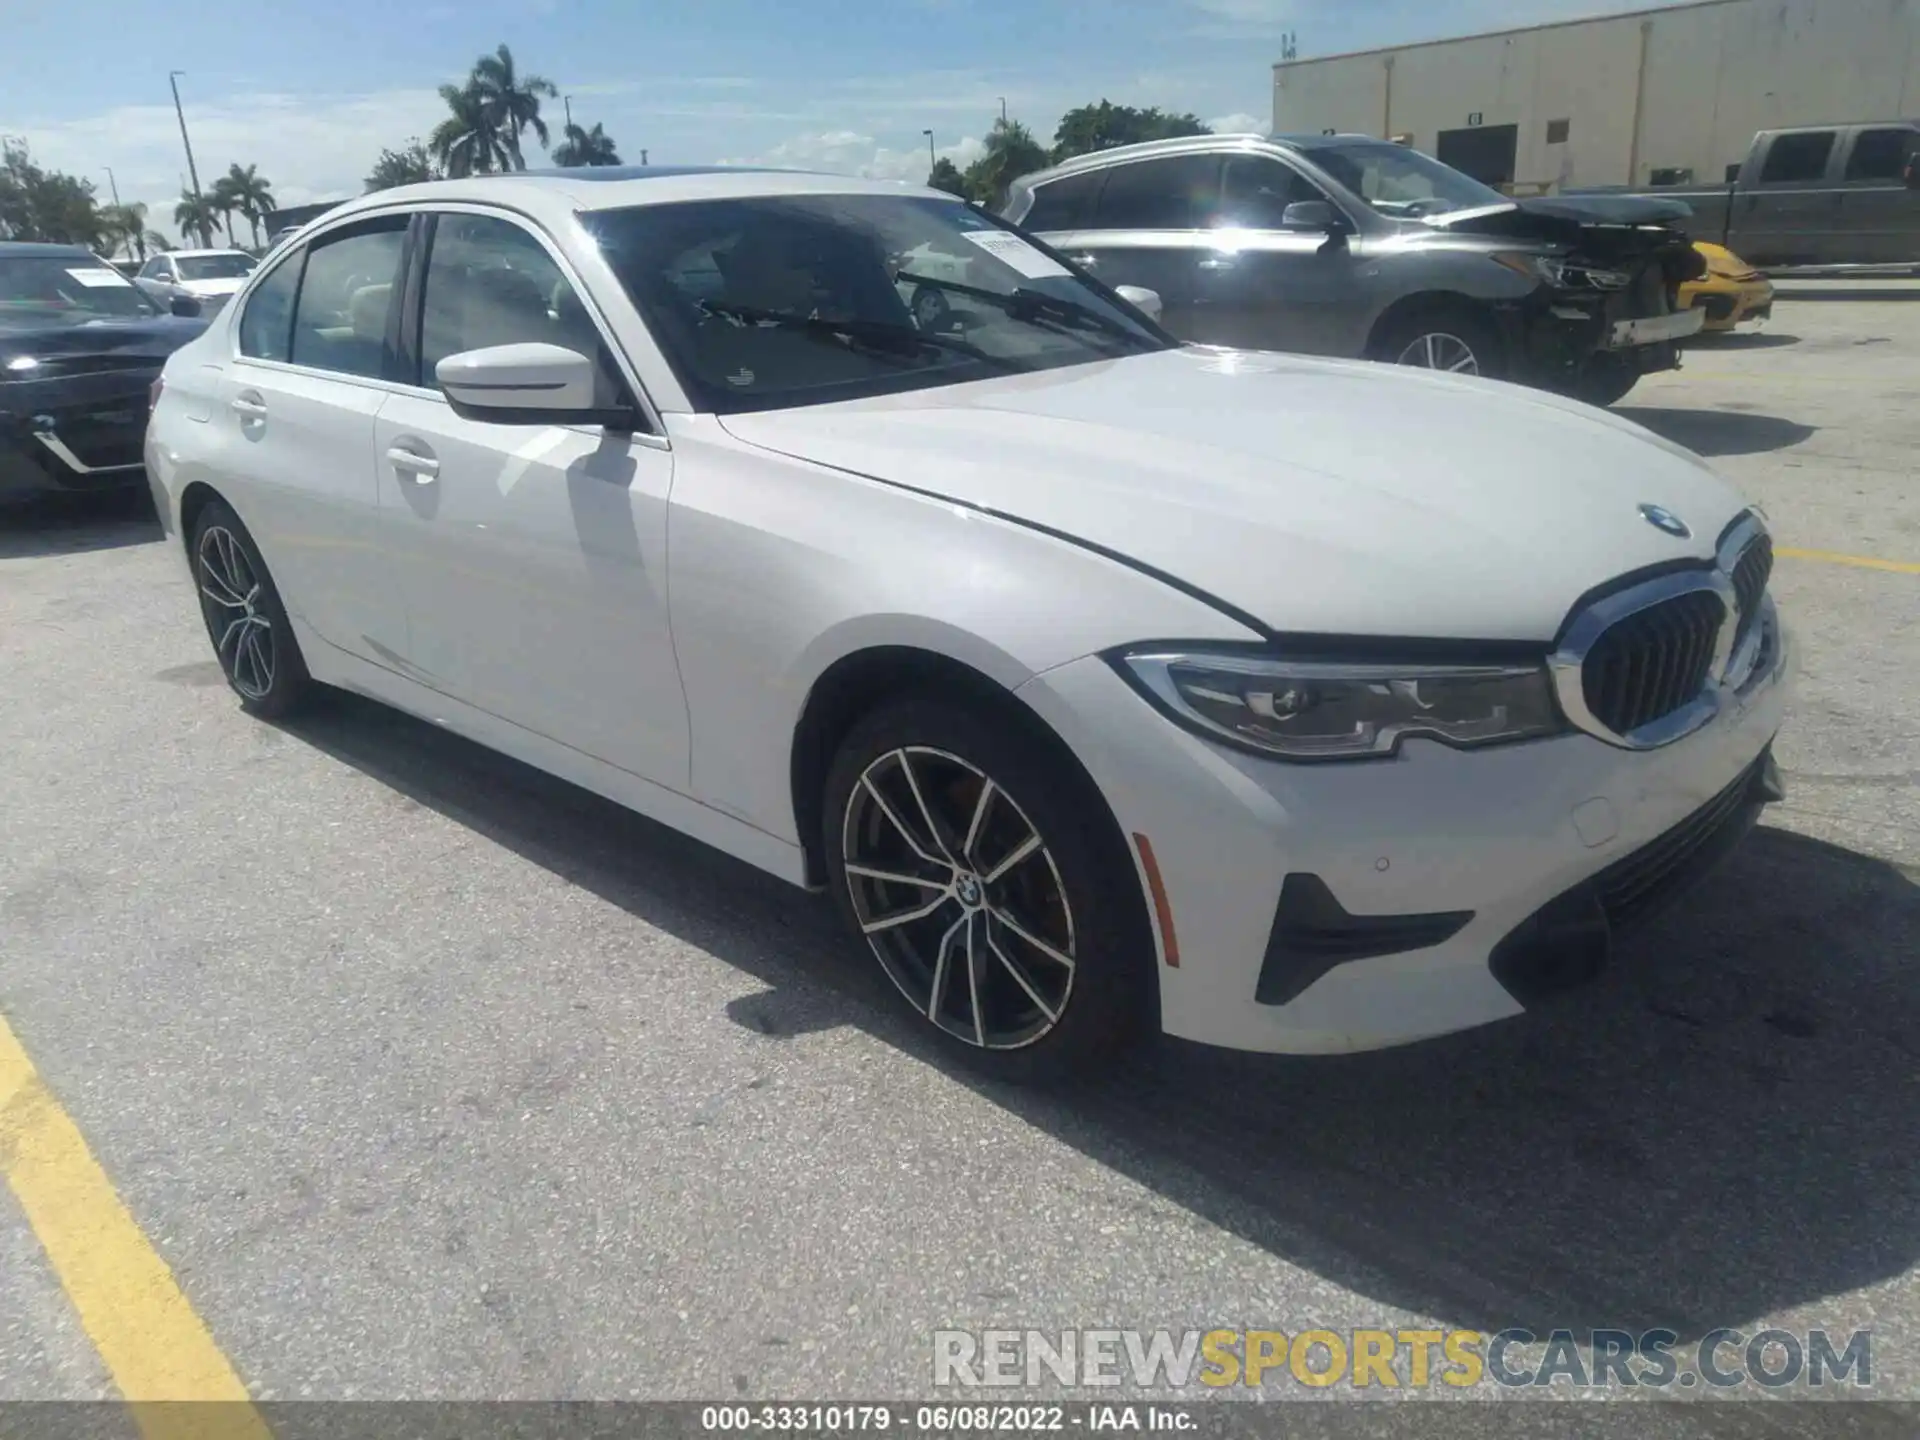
(224, 202)
(946, 176)
(467, 142)
(246, 192)
(408, 166)
(196, 214)
(510, 100)
(1103, 126)
(124, 227)
(46, 205)
(585, 147)
(1011, 152)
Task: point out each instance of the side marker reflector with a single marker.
(1162, 911)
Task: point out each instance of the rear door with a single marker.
(1790, 214)
(295, 412)
(1146, 227)
(1878, 214)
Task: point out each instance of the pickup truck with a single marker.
(1813, 195)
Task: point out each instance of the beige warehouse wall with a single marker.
(1714, 74)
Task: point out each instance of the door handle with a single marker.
(423, 468)
(248, 406)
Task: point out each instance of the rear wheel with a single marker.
(245, 619)
(991, 888)
(1454, 340)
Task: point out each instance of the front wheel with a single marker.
(992, 888)
(1453, 340)
(246, 620)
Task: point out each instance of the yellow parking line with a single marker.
(1864, 562)
(146, 1332)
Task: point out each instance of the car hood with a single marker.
(1319, 497)
(209, 288)
(25, 349)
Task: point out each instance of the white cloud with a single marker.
(1239, 123)
(849, 152)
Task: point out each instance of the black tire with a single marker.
(246, 621)
(1110, 1001)
(1458, 324)
(1602, 382)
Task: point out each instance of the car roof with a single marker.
(1187, 145)
(25, 248)
(554, 194)
(194, 254)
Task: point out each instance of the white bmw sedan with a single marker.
(1109, 684)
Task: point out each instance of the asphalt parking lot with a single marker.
(431, 1077)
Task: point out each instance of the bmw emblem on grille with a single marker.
(1665, 520)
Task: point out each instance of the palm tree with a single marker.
(221, 197)
(249, 193)
(585, 147)
(467, 142)
(1011, 152)
(196, 213)
(125, 227)
(510, 101)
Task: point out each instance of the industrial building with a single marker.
(1668, 96)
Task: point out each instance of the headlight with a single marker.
(1562, 274)
(1326, 710)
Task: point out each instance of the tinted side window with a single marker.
(1065, 204)
(1178, 193)
(1881, 154)
(340, 322)
(1797, 158)
(1258, 190)
(266, 325)
(489, 282)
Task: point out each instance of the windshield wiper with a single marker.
(1024, 302)
(878, 335)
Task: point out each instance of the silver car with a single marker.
(1347, 245)
(210, 277)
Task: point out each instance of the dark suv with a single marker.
(1347, 245)
(80, 347)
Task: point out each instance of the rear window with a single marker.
(1881, 154)
(1181, 192)
(1066, 203)
(1797, 158)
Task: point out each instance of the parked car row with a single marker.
(1109, 684)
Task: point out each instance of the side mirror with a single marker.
(186, 305)
(1311, 215)
(1141, 298)
(527, 384)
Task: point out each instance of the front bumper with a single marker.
(1727, 302)
(76, 434)
(1472, 844)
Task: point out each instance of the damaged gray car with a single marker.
(1346, 245)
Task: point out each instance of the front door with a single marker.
(1787, 217)
(1879, 213)
(1263, 284)
(535, 568)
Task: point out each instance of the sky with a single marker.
(311, 92)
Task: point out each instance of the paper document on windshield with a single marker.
(95, 278)
(1009, 248)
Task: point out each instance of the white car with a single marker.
(212, 277)
(1108, 684)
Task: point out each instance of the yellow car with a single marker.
(1730, 291)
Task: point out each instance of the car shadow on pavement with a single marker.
(71, 524)
(1741, 340)
(1719, 432)
(1860, 294)
(1709, 1133)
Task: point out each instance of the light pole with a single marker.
(113, 185)
(931, 162)
(173, 79)
(567, 100)
(1003, 112)
(643, 159)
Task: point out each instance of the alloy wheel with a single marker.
(231, 596)
(960, 898)
(1440, 351)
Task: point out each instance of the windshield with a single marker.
(66, 290)
(1401, 183)
(214, 267)
(776, 301)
